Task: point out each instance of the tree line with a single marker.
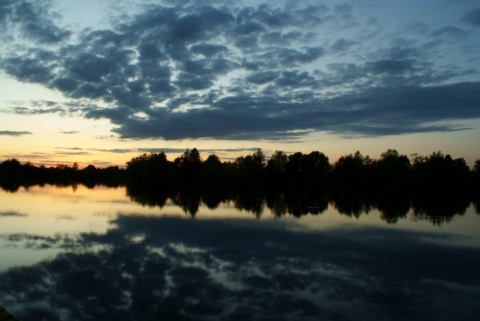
(13, 175)
(280, 172)
(299, 170)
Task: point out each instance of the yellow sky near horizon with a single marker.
(65, 140)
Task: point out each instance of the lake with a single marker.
(78, 253)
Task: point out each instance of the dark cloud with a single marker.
(218, 70)
(11, 214)
(377, 111)
(34, 155)
(296, 79)
(65, 84)
(117, 150)
(33, 20)
(391, 66)
(78, 153)
(380, 111)
(262, 77)
(27, 69)
(473, 17)
(37, 111)
(69, 148)
(176, 150)
(452, 32)
(14, 133)
(342, 45)
(288, 57)
(118, 116)
(278, 38)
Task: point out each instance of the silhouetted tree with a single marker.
(317, 166)
(251, 167)
(294, 169)
(211, 171)
(278, 161)
(349, 170)
(188, 167)
(307, 169)
(438, 171)
(10, 175)
(275, 168)
(149, 169)
(393, 169)
(476, 174)
(11, 169)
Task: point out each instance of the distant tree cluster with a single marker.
(13, 175)
(280, 172)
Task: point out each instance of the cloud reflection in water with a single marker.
(149, 268)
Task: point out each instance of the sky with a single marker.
(100, 82)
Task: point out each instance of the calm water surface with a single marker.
(94, 254)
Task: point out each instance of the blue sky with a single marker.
(102, 81)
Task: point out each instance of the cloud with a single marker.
(34, 155)
(451, 32)
(473, 17)
(14, 133)
(379, 111)
(175, 150)
(70, 148)
(117, 150)
(79, 153)
(37, 111)
(225, 71)
(32, 20)
(391, 66)
(27, 69)
(342, 45)
(260, 78)
(12, 214)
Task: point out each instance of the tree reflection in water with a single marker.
(150, 268)
(439, 207)
(393, 204)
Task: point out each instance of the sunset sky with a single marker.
(99, 82)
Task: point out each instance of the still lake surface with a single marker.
(95, 254)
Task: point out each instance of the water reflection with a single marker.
(393, 205)
(435, 206)
(117, 259)
(149, 268)
(439, 208)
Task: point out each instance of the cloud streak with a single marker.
(14, 133)
(271, 72)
